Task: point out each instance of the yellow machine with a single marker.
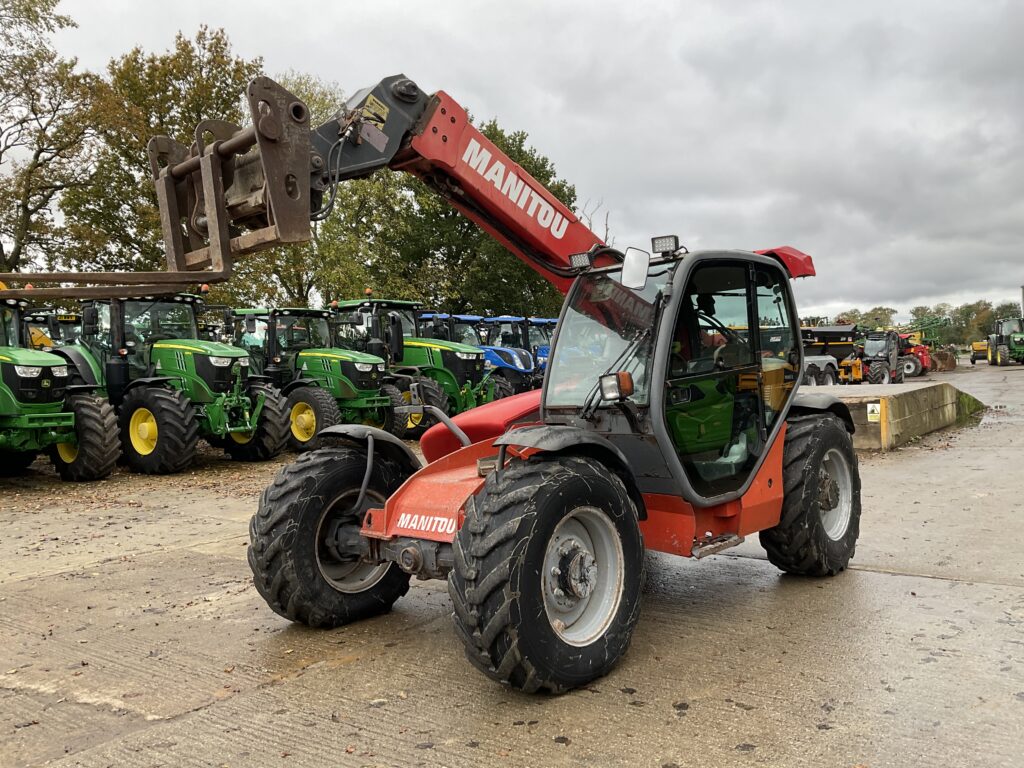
(979, 351)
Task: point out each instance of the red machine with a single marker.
(669, 419)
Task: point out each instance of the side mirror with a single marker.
(53, 327)
(634, 268)
(250, 324)
(90, 321)
(229, 318)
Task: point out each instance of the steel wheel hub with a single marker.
(835, 494)
(583, 576)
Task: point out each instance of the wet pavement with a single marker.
(130, 635)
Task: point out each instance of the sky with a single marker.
(886, 139)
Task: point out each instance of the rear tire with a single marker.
(911, 366)
(1002, 355)
(811, 375)
(158, 429)
(293, 570)
(897, 376)
(431, 393)
(271, 433)
(549, 567)
(14, 463)
(310, 409)
(393, 422)
(98, 447)
(820, 522)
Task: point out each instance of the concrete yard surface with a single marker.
(131, 635)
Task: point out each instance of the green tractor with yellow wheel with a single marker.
(42, 411)
(1006, 342)
(171, 388)
(324, 384)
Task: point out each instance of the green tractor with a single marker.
(1006, 342)
(450, 375)
(325, 384)
(171, 388)
(40, 409)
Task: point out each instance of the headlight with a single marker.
(244, 361)
(59, 371)
(467, 355)
(364, 367)
(488, 364)
(380, 366)
(28, 371)
(222, 362)
(542, 360)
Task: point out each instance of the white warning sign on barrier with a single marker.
(874, 411)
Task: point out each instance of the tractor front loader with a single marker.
(324, 384)
(878, 361)
(42, 411)
(171, 388)
(659, 424)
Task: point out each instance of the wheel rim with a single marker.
(886, 378)
(583, 576)
(67, 452)
(908, 369)
(413, 420)
(835, 494)
(143, 431)
(346, 574)
(303, 422)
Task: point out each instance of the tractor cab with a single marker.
(42, 329)
(509, 351)
(391, 328)
(541, 330)
(459, 328)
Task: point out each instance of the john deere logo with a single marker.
(44, 383)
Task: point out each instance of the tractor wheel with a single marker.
(897, 375)
(158, 430)
(386, 418)
(271, 433)
(310, 409)
(301, 513)
(431, 393)
(13, 463)
(549, 566)
(828, 377)
(811, 375)
(974, 359)
(1002, 355)
(98, 448)
(911, 366)
(878, 373)
(817, 532)
(988, 355)
(502, 387)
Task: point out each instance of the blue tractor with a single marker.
(529, 334)
(510, 368)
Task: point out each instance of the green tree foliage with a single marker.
(43, 131)
(112, 222)
(871, 318)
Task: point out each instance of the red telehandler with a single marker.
(670, 417)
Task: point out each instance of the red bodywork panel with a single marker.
(672, 523)
(497, 194)
(797, 263)
(485, 422)
(430, 504)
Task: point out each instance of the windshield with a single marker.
(873, 347)
(465, 333)
(1010, 326)
(8, 329)
(303, 333)
(159, 320)
(604, 320)
(540, 335)
(505, 335)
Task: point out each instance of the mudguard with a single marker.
(818, 402)
(291, 386)
(77, 358)
(148, 381)
(384, 443)
(484, 422)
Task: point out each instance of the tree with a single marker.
(1006, 309)
(113, 222)
(43, 131)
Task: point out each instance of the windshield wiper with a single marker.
(593, 399)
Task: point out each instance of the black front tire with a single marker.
(98, 447)
(500, 586)
(302, 402)
(828, 377)
(393, 422)
(878, 373)
(289, 561)
(820, 522)
(14, 463)
(271, 433)
(177, 431)
(502, 387)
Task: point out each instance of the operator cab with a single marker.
(688, 373)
